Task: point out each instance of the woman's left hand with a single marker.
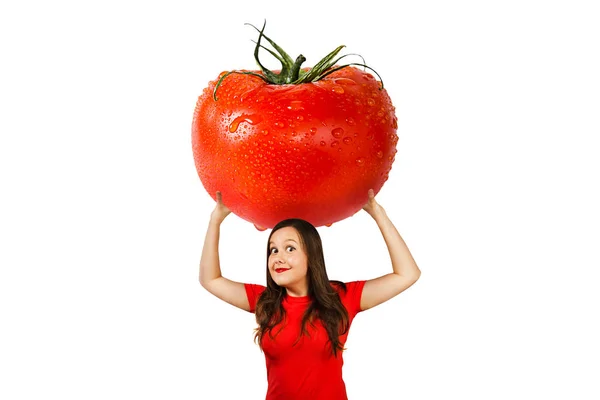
(372, 207)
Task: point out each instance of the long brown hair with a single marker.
(325, 305)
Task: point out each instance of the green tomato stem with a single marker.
(291, 72)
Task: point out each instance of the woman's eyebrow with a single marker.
(286, 240)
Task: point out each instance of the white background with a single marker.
(494, 189)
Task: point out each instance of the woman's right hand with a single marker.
(221, 211)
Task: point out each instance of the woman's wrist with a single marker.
(377, 213)
(217, 218)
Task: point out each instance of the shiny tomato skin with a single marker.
(309, 151)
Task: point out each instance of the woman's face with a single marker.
(288, 263)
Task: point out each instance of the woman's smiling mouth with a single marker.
(280, 270)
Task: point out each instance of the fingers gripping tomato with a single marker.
(299, 143)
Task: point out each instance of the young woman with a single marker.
(303, 317)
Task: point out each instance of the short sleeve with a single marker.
(253, 292)
(351, 299)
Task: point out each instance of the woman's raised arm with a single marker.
(211, 279)
(405, 271)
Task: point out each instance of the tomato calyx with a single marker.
(291, 72)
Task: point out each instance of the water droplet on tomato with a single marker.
(323, 143)
(347, 140)
(337, 133)
(380, 154)
(338, 89)
(251, 119)
(260, 228)
(234, 125)
(370, 101)
(335, 143)
(295, 105)
(328, 225)
(360, 162)
(344, 81)
(265, 132)
(313, 131)
(350, 121)
(370, 136)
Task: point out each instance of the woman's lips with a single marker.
(280, 270)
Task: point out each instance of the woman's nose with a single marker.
(277, 259)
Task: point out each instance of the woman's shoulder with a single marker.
(254, 288)
(253, 292)
(337, 285)
(350, 294)
(347, 287)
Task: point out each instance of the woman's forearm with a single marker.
(402, 260)
(210, 268)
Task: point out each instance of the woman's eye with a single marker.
(288, 248)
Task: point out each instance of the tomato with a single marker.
(308, 150)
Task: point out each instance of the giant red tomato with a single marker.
(308, 150)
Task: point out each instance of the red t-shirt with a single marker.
(307, 370)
